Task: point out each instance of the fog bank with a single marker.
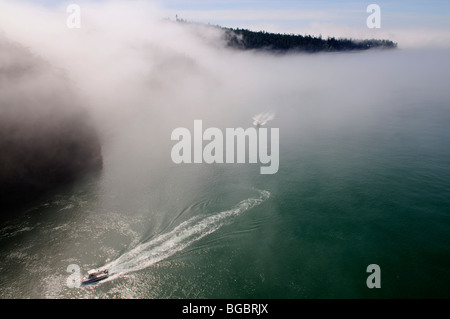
(139, 76)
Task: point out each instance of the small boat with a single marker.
(258, 123)
(95, 275)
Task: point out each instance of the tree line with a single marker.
(244, 39)
(261, 40)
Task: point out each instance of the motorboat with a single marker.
(95, 275)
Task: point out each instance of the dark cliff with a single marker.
(46, 137)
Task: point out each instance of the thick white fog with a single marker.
(140, 75)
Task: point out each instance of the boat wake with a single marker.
(163, 246)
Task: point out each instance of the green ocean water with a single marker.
(364, 179)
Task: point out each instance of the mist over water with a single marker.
(363, 178)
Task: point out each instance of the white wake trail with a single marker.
(188, 232)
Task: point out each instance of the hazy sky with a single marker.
(412, 23)
(291, 13)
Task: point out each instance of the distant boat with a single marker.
(258, 123)
(262, 118)
(95, 275)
